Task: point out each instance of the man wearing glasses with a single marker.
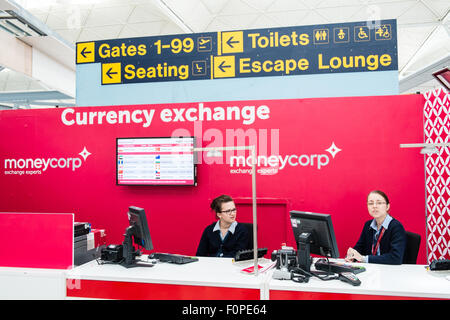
(383, 239)
(225, 237)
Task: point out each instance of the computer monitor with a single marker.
(156, 161)
(138, 233)
(314, 234)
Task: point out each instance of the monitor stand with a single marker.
(304, 251)
(130, 253)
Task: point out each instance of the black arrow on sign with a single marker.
(230, 43)
(84, 52)
(221, 66)
(109, 73)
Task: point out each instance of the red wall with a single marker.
(368, 130)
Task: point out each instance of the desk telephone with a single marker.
(287, 268)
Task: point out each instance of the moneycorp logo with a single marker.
(279, 162)
(32, 166)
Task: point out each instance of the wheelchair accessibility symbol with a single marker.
(362, 33)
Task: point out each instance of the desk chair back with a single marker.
(412, 248)
(249, 227)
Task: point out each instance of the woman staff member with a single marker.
(225, 237)
(382, 239)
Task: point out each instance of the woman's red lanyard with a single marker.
(375, 249)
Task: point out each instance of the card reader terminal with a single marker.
(349, 277)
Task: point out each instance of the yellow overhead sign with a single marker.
(285, 51)
(85, 52)
(111, 73)
(231, 42)
(224, 67)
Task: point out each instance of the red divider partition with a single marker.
(36, 240)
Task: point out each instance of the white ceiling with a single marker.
(423, 25)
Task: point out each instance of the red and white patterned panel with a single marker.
(437, 172)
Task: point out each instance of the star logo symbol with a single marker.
(85, 153)
(333, 150)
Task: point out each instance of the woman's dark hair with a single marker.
(381, 193)
(216, 204)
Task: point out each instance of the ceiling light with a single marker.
(18, 25)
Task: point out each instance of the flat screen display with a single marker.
(156, 161)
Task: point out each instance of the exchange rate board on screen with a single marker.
(155, 161)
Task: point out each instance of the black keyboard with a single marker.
(248, 254)
(336, 267)
(172, 258)
(442, 264)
